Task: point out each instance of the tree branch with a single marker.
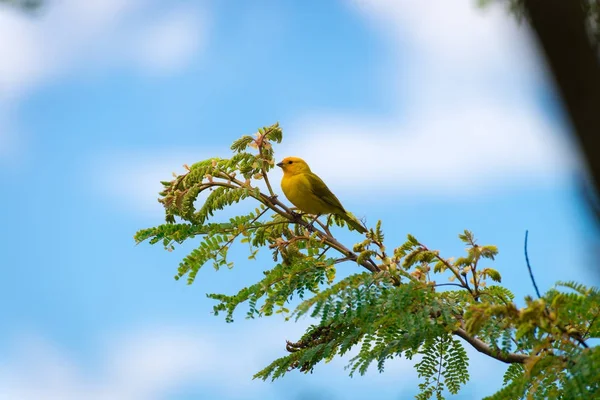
(262, 168)
(482, 347)
(276, 205)
(464, 282)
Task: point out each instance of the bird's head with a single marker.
(293, 166)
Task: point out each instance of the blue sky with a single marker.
(432, 117)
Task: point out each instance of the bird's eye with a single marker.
(289, 162)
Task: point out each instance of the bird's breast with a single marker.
(297, 190)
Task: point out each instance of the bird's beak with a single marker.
(280, 164)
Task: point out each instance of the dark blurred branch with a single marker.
(28, 5)
(560, 26)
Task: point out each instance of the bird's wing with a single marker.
(320, 189)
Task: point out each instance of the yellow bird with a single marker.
(309, 193)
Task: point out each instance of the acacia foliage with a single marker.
(398, 306)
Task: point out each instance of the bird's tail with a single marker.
(353, 222)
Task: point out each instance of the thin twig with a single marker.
(474, 272)
(449, 266)
(343, 259)
(449, 284)
(262, 169)
(577, 338)
(537, 291)
(591, 323)
(324, 226)
(581, 342)
(230, 241)
(265, 225)
(467, 285)
(323, 252)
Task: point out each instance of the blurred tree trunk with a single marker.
(572, 55)
(29, 5)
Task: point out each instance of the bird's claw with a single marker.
(297, 217)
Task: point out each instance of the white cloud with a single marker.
(454, 151)
(466, 119)
(169, 44)
(455, 39)
(143, 364)
(154, 362)
(448, 152)
(132, 178)
(72, 36)
(465, 115)
(23, 58)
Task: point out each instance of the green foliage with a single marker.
(398, 306)
(304, 274)
(444, 365)
(383, 321)
(583, 377)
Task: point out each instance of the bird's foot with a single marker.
(296, 216)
